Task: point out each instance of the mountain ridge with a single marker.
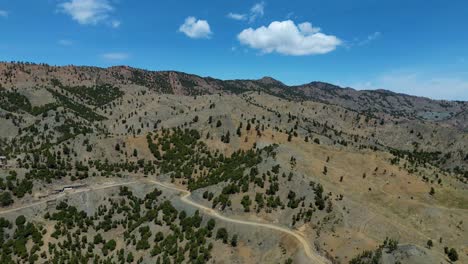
(371, 102)
(334, 165)
(265, 79)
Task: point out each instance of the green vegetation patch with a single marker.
(158, 81)
(15, 102)
(150, 227)
(97, 95)
(81, 110)
(184, 155)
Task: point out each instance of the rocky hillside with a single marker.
(170, 82)
(362, 176)
(431, 129)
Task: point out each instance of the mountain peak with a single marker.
(323, 85)
(270, 80)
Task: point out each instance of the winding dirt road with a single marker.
(314, 257)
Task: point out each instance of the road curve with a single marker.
(314, 257)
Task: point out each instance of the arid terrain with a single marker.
(123, 165)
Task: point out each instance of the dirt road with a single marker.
(314, 257)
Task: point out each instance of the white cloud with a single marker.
(3, 13)
(258, 10)
(236, 16)
(194, 28)
(88, 12)
(307, 28)
(370, 38)
(115, 56)
(65, 42)
(420, 84)
(286, 38)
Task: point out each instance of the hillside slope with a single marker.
(344, 169)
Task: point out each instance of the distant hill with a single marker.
(361, 175)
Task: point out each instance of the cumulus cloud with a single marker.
(3, 13)
(258, 10)
(115, 56)
(307, 28)
(286, 38)
(195, 28)
(89, 12)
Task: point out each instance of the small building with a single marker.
(3, 162)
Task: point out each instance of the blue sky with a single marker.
(415, 47)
